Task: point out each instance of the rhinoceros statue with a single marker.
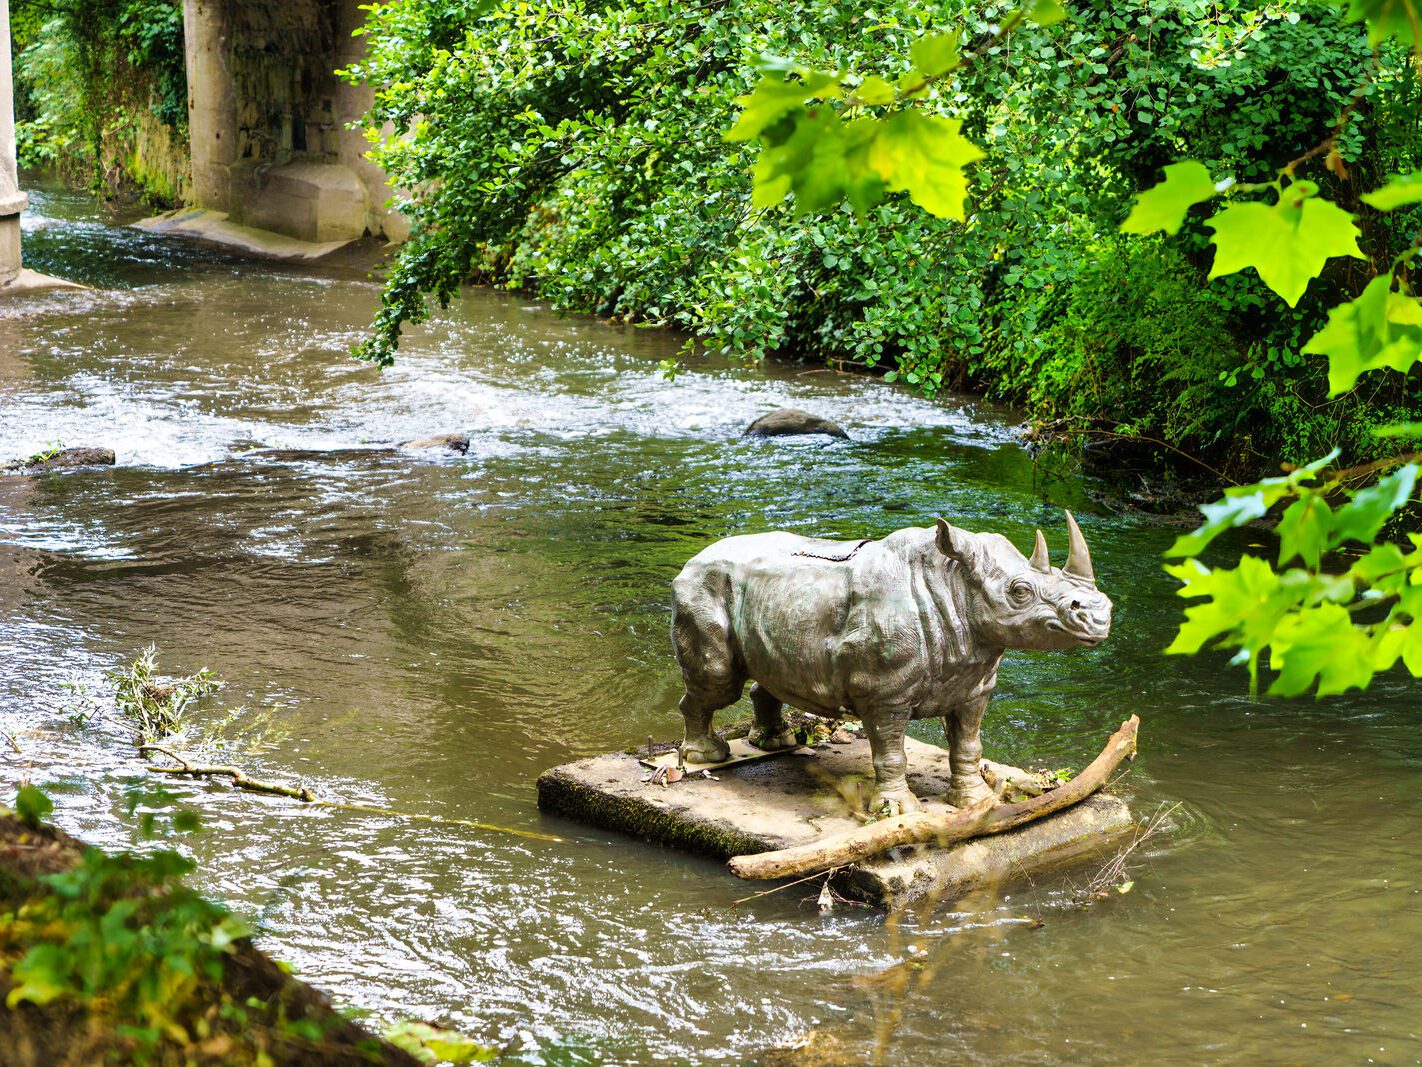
(912, 626)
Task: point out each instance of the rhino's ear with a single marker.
(957, 544)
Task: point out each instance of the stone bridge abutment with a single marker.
(269, 119)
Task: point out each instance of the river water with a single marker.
(430, 631)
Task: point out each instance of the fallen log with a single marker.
(985, 817)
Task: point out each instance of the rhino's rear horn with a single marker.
(1078, 562)
(1041, 561)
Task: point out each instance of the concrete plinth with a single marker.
(32, 281)
(216, 227)
(798, 798)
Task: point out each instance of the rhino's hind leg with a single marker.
(886, 746)
(770, 731)
(700, 744)
(965, 756)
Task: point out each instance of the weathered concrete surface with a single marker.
(800, 797)
(217, 227)
(12, 201)
(268, 119)
(32, 281)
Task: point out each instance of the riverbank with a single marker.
(135, 993)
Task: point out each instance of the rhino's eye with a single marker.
(1020, 592)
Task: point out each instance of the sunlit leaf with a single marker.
(1379, 329)
(1244, 604)
(1164, 206)
(1288, 243)
(1396, 18)
(1044, 12)
(924, 155)
(936, 55)
(40, 976)
(1399, 191)
(1321, 643)
(1303, 530)
(1399, 430)
(875, 90)
(1362, 518)
(33, 805)
(1383, 567)
(774, 98)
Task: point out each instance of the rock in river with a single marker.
(455, 442)
(790, 422)
(43, 462)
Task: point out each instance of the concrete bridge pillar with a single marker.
(12, 201)
(268, 119)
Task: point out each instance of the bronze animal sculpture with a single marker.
(908, 627)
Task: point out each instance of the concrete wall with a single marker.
(12, 201)
(268, 117)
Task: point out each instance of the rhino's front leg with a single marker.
(965, 754)
(700, 744)
(886, 745)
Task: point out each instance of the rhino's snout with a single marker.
(1088, 618)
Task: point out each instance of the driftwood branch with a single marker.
(985, 817)
(239, 777)
(187, 768)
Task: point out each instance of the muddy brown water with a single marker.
(430, 632)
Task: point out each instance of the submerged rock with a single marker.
(792, 422)
(455, 442)
(43, 462)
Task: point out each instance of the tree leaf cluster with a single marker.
(887, 203)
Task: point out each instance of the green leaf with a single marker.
(1164, 206)
(1362, 518)
(1379, 329)
(430, 1044)
(822, 162)
(774, 98)
(41, 976)
(32, 805)
(924, 155)
(1400, 190)
(875, 90)
(1388, 18)
(1244, 606)
(936, 55)
(1240, 504)
(1398, 429)
(1383, 567)
(1044, 12)
(1320, 642)
(1303, 530)
(1288, 243)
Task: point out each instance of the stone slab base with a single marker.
(32, 281)
(799, 797)
(216, 227)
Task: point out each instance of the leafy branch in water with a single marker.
(154, 705)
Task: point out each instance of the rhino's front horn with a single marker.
(1040, 560)
(1078, 562)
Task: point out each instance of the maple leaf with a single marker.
(1379, 329)
(1288, 243)
(1164, 206)
(924, 155)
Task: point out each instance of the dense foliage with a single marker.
(89, 75)
(577, 149)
